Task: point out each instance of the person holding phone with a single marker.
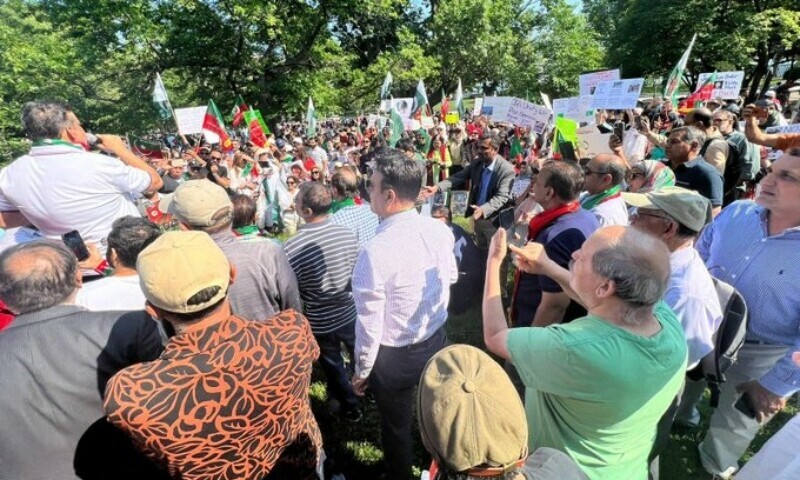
(752, 114)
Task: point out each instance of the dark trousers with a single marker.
(394, 376)
(332, 363)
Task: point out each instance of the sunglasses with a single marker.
(315, 172)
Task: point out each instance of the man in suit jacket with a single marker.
(56, 358)
(490, 190)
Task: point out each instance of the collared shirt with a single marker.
(112, 293)
(765, 269)
(360, 219)
(401, 285)
(486, 178)
(702, 177)
(236, 390)
(692, 296)
(613, 211)
(61, 188)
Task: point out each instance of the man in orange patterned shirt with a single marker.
(228, 398)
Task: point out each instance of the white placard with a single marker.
(589, 81)
(591, 142)
(516, 111)
(190, 119)
(575, 108)
(617, 94)
(793, 128)
(403, 107)
(726, 86)
(476, 109)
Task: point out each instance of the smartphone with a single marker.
(75, 243)
(505, 219)
(762, 108)
(745, 405)
(619, 130)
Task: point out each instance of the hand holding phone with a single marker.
(75, 242)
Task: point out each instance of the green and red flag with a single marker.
(674, 80)
(238, 110)
(445, 106)
(214, 127)
(145, 148)
(257, 136)
(702, 94)
(262, 122)
(397, 128)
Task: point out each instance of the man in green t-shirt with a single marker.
(596, 387)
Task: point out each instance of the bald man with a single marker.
(596, 387)
(603, 184)
(346, 211)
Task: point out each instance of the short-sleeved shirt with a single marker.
(561, 239)
(61, 188)
(596, 391)
(702, 177)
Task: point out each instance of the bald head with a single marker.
(700, 118)
(603, 172)
(37, 275)
(344, 183)
(636, 262)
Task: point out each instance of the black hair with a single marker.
(129, 236)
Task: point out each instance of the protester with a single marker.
(360, 219)
(469, 261)
(744, 159)
(265, 283)
(778, 141)
(174, 175)
(462, 382)
(604, 175)
(596, 387)
(121, 290)
(691, 171)
(244, 224)
(401, 285)
(715, 148)
(753, 246)
(261, 424)
(60, 187)
(439, 159)
(648, 176)
(57, 358)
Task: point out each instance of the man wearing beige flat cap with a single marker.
(472, 423)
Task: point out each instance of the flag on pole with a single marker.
(160, 99)
(311, 119)
(257, 135)
(387, 86)
(702, 94)
(459, 100)
(397, 128)
(145, 148)
(214, 127)
(420, 99)
(445, 106)
(674, 80)
(262, 122)
(238, 110)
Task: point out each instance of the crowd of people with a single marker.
(161, 317)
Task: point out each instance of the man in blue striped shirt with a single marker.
(322, 255)
(756, 248)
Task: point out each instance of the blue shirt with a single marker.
(765, 269)
(702, 177)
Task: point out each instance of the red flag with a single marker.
(238, 110)
(257, 136)
(702, 94)
(214, 128)
(445, 107)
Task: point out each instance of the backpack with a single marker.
(745, 155)
(728, 339)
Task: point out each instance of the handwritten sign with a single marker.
(727, 84)
(575, 108)
(516, 111)
(591, 142)
(190, 119)
(617, 94)
(589, 81)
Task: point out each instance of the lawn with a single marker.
(356, 449)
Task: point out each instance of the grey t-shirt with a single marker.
(551, 464)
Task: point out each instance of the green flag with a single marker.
(420, 98)
(262, 122)
(397, 128)
(674, 80)
(387, 86)
(459, 100)
(160, 99)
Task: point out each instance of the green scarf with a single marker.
(591, 201)
(337, 205)
(247, 230)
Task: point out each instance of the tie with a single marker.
(486, 177)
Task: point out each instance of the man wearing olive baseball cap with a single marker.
(472, 422)
(219, 384)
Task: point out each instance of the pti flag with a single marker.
(445, 106)
(145, 148)
(311, 119)
(420, 99)
(214, 127)
(160, 99)
(238, 110)
(674, 80)
(702, 94)
(387, 86)
(256, 132)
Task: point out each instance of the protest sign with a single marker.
(403, 107)
(451, 118)
(372, 120)
(458, 202)
(546, 101)
(516, 111)
(617, 94)
(727, 84)
(567, 129)
(575, 108)
(794, 128)
(591, 142)
(476, 109)
(190, 119)
(589, 81)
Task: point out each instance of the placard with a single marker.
(451, 118)
(575, 108)
(516, 111)
(617, 94)
(591, 142)
(458, 202)
(794, 128)
(190, 119)
(726, 86)
(589, 81)
(476, 109)
(403, 107)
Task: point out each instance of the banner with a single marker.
(576, 108)
(591, 142)
(516, 111)
(190, 119)
(727, 85)
(588, 81)
(617, 94)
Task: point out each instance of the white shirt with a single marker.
(611, 212)
(111, 293)
(61, 188)
(320, 156)
(692, 296)
(401, 285)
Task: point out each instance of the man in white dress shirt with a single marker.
(603, 183)
(401, 286)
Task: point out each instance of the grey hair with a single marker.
(690, 135)
(614, 167)
(37, 275)
(638, 264)
(45, 119)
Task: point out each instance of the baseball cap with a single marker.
(687, 207)
(178, 265)
(470, 415)
(196, 202)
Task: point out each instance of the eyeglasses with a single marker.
(315, 172)
(633, 175)
(720, 120)
(586, 171)
(291, 183)
(643, 213)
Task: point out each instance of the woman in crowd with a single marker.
(439, 159)
(244, 219)
(243, 175)
(289, 217)
(649, 175)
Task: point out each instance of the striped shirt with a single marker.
(401, 285)
(322, 256)
(765, 269)
(360, 219)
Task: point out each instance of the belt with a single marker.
(757, 342)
